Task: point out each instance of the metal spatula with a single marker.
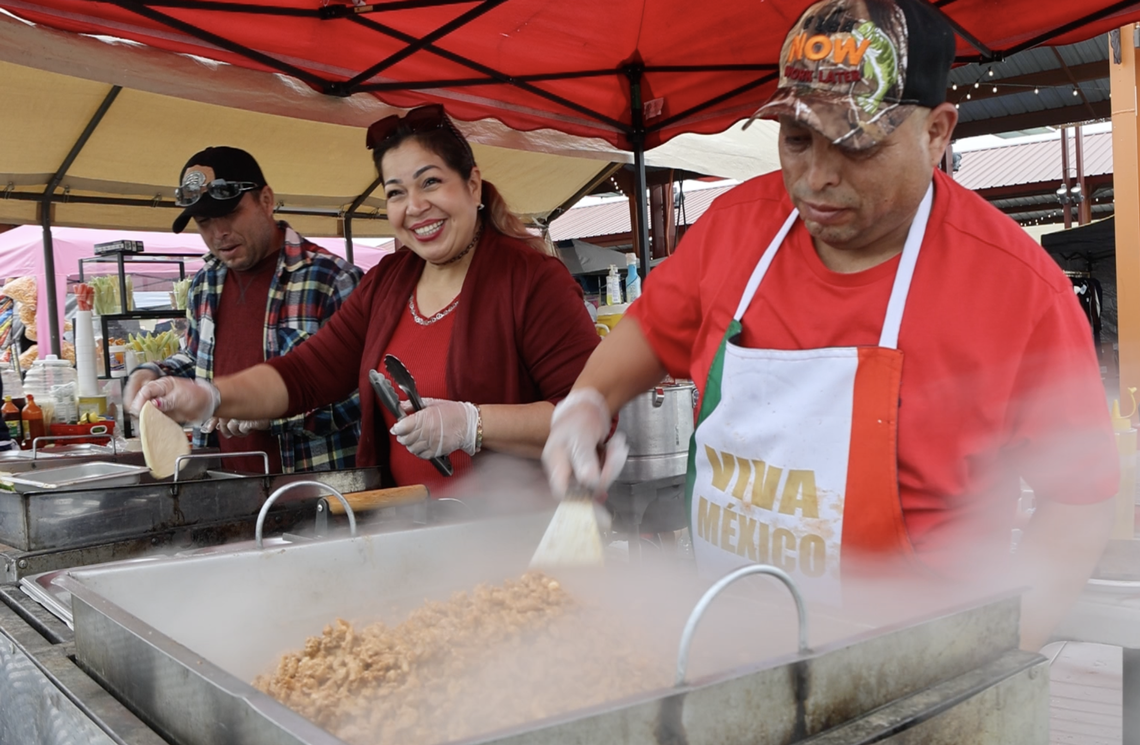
(573, 538)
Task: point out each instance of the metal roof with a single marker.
(1034, 88)
(1032, 163)
(1018, 178)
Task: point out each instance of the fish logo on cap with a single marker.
(843, 71)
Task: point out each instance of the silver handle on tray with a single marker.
(53, 438)
(281, 490)
(219, 456)
(703, 604)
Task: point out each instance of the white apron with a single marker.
(794, 461)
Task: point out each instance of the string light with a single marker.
(977, 84)
(954, 87)
(991, 72)
(967, 96)
(1076, 92)
(1036, 91)
(995, 89)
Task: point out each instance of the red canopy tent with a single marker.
(634, 72)
(571, 66)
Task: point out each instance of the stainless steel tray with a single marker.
(100, 474)
(178, 639)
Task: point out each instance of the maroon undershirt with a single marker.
(423, 350)
(239, 343)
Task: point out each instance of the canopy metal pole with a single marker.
(637, 140)
(350, 213)
(45, 216)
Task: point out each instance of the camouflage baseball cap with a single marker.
(854, 70)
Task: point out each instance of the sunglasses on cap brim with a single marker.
(420, 119)
(220, 189)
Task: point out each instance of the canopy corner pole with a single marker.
(969, 38)
(45, 214)
(637, 141)
(351, 212)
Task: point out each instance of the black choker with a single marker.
(464, 252)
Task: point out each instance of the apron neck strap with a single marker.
(765, 262)
(889, 337)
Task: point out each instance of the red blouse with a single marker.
(520, 334)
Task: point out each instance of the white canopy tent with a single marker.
(95, 131)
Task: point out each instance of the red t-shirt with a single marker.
(423, 350)
(239, 342)
(1000, 377)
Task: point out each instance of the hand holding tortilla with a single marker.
(234, 427)
(163, 441)
(181, 399)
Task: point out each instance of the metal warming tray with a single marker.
(179, 640)
(90, 475)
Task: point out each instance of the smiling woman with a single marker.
(490, 324)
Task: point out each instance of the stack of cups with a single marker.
(85, 354)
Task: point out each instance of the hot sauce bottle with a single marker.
(33, 419)
(13, 421)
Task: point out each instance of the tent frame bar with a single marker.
(350, 213)
(23, 196)
(495, 75)
(46, 200)
(421, 43)
(142, 9)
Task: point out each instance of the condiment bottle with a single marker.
(1124, 526)
(33, 418)
(13, 421)
(613, 287)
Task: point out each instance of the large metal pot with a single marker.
(658, 424)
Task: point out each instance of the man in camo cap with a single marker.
(882, 356)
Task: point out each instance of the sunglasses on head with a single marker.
(420, 119)
(184, 196)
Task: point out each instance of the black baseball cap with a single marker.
(216, 163)
(854, 70)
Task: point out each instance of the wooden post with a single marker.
(1065, 178)
(1084, 209)
(1124, 79)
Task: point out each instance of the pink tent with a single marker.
(22, 253)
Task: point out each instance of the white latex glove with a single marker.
(441, 427)
(136, 380)
(233, 427)
(181, 399)
(578, 428)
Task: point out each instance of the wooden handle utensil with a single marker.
(374, 499)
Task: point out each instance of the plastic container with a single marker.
(613, 287)
(13, 386)
(118, 354)
(608, 317)
(632, 278)
(55, 384)
(101, 432)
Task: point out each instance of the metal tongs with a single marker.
(391, 401)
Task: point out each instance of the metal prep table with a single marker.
(45, 697)
(951, 676)
(1108, 612)
(179, 639)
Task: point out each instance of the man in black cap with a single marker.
(264, 290)
(882, 356)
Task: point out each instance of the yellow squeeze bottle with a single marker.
(1124, 526)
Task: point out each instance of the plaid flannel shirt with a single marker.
(310, 285)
